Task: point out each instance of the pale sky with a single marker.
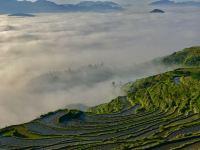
(74, 1)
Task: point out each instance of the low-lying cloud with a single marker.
(52, 60)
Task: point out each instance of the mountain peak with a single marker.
(157, 11)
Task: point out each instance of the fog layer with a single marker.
(52, 60)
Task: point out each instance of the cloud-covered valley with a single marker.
(52, 60)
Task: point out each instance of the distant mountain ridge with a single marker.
(173, 3)
(14, 6)
(21, 15)
(93, 6)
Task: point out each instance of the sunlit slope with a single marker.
(187, 57)
(176, 89)
(171, 89)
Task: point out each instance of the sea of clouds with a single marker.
(52, 60)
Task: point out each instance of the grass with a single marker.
(187, 57)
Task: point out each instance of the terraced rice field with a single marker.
(144, 130)
(157, 115)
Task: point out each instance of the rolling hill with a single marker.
(187, 57)
(160, 112)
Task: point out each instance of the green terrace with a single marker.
(157, 112)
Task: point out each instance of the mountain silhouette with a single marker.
(173, 3)
(14, 6)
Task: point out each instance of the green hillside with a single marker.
(179, 88)
(160, 112)
(175, 89)
(162, 91)
(116, 105)
(187, 57)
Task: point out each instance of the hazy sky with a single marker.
(120, 1)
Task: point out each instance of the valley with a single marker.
(157, 112)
